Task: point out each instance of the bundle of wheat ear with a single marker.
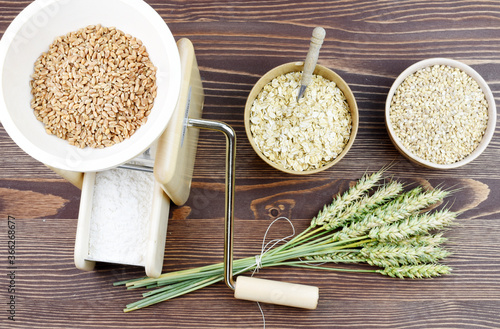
(376, 221)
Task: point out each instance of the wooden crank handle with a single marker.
(276, 292)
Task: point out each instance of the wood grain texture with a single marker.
(369, 43)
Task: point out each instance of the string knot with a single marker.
(268, 246)
(258, 262)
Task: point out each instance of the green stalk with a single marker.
(182, 288)
(175, 286)
(302, 242)
(169, 295)
(299, 264)
(249, 262)
(383, 229)
(172, 275)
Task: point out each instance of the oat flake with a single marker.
(303, 135)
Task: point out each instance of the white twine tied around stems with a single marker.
(265, 248)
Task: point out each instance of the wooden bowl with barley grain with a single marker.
(440, 113)
(303, 136)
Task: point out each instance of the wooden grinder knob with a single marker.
(276, 292)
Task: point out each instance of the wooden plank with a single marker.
(57, 291)
(368, 43)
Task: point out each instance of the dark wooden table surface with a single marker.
(368, 43)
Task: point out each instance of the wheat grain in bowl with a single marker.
(302, 135)
(94, 87)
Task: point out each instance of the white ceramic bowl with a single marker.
(31, 33)
(492, 112)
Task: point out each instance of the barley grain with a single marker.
(439, 113)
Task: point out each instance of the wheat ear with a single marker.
(361, 207)
(424, 240)
(400, 208)
(414, 225)
(384, 255)
(343, 200)
(337, 257)
(416, 271)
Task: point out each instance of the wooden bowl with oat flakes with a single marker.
(305, 136)
(440, 113)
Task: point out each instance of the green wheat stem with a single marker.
(381, 228)
(300, 264)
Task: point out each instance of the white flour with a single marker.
(119, 223)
